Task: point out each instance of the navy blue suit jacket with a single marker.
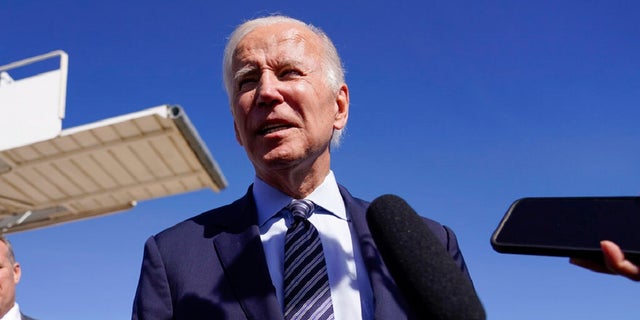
(26, 317)
(213, 266)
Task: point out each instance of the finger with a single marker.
(612, 253)
(615, 261)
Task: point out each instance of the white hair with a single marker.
(332, 65)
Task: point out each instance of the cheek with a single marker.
(240, 110)
(243, 101)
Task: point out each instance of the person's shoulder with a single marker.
(220, 218)
(436, 227)
(25, 317)
(350, 199)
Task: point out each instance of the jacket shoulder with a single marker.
(230, 218)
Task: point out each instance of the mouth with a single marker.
(271, 128)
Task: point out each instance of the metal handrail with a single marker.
(64, 67)
(64, 60)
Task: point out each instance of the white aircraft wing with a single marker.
(103, 167)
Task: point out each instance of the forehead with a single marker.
(4, 251)
(278, 41)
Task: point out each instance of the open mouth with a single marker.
(273, 128)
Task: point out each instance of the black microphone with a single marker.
(431, 282)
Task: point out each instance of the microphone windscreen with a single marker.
(430, 280)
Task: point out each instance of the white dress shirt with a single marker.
(351, 293)
(13, 313)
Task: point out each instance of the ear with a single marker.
(342, 102)
(16, 273)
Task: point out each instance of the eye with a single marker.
(290, 73)
(246, 83)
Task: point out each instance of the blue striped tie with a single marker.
(306, 284)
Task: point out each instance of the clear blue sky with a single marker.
(460, 107)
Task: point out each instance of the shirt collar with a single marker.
(269, 200)
(13, 313)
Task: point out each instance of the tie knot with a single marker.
(301, 209)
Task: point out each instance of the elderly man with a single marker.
(9, 278)
(297, 245)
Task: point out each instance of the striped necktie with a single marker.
(306, 284)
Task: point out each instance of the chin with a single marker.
(280, 160)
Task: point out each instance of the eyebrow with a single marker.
(244, 71)
(251, 68)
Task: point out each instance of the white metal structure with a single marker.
(32, 107)
(100, 168)
(103, 167)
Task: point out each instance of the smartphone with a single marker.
(570, 226)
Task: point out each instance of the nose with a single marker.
(268, 91)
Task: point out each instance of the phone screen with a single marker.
(571, 227)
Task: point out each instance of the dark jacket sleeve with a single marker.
(153, 298)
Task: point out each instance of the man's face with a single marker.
(9, 278)
(284, 111)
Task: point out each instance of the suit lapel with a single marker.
(388, 301)
(242, 256)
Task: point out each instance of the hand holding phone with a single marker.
(570, 227)
(614, 262)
